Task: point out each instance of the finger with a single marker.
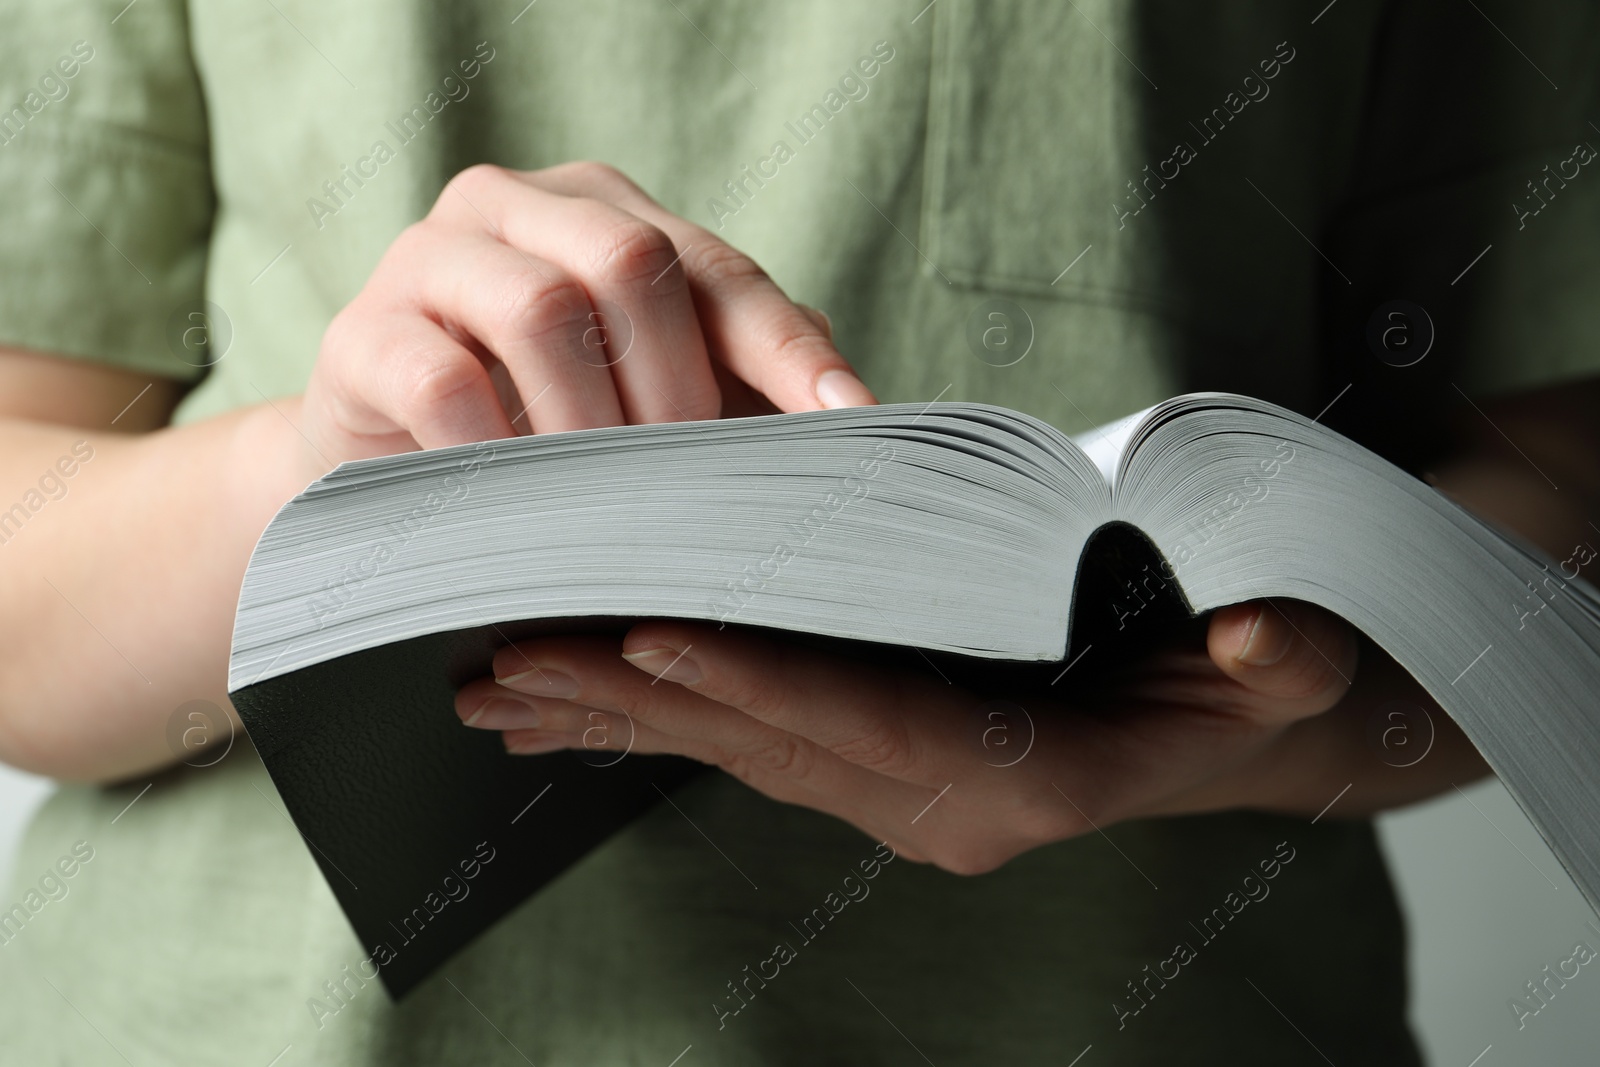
(1300, 656)
(608, 738)
(859, 713)
(589, 671)
(644, 328)
(648, 716)
(533, 316)
(820, 317)
(781, 765)
(738, 399)
(749, 324)
(846, 792)
(404, 380)
(486, 704)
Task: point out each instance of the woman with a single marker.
(218, 283)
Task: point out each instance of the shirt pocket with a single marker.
(1035, 154)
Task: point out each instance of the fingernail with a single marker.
(820, 317)
(542, 683)
(841, 389)
(527, 715)
(534, 746)
(1268, 641)
(666, 663)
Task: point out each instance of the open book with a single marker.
(951, 528)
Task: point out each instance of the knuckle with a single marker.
(478, 177)
(591, 174)
(1313, 676)
(632, 250)
(598, 172)
(534, 302)
(438, 379)
(724, 267)
(882, 746)
(783, 754)
(794, 338)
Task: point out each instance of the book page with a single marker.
(1105, 444)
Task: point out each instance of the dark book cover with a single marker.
(400, 804)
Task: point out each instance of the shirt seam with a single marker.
(105, 136)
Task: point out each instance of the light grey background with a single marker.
(1488, 904)
(1489, 907)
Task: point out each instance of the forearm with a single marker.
(122, 590)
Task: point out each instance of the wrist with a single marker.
(273, 457)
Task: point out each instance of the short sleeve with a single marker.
(105, 175)
(1476, 193)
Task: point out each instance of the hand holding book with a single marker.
(901, 754)
(523, 305)
(971, 533)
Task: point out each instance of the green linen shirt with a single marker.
(1160, 196)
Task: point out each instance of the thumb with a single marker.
(1301, 656)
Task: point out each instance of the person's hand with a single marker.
(911, 759)
(560, 299)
